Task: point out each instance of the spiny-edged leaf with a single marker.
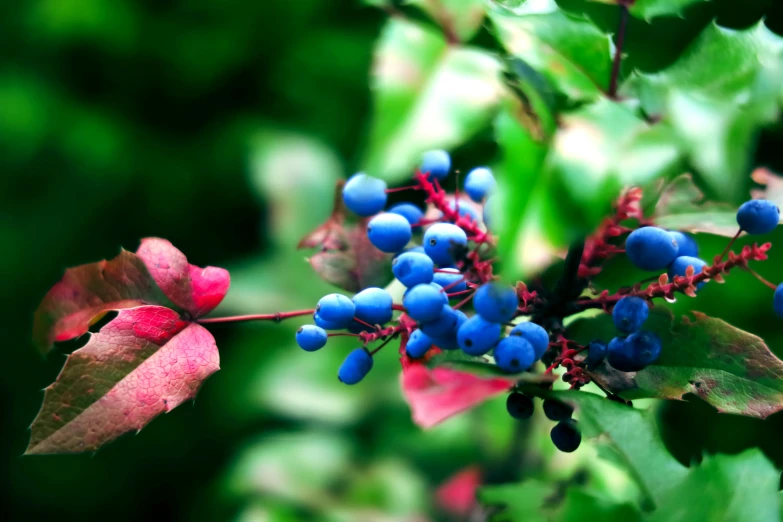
(682, 206)
(725, 488)
(460, 19)
(482, 366)
(597, 150)
(426, 95)
(649, 9)
(145, 362)
(524, 502)
(727, 367)
(356, 267)
(717, 95)
(571, 52)
(158, 274)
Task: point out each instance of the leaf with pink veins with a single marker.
(145, 362)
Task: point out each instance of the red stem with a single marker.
(722, 254)
(400, 189)
(279, 316)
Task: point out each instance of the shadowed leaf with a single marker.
(682, 206)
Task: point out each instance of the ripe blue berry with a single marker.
(418, 344)
(480, 183)
(495, 302)
(448, 341)
(519, 405)
(355, 366)
(635, 351)
(556, 410)
(535, 334)
(442, 241)
(490, 211)
(651, 248)
(412, 268)
(311, 338)
(565, 436)
(514, 354)
(437, 163)
(686, 245)
(777, 300)
(477, 336)
(448, 277)
(617, 355)
(389, 232)
(409, 211)
(336, 309)
(445, 324)
(681, 264)
(425, 302)
(465, 210)
(630, 313)
(364, 195)
(373, 305)
(758, 216)
(329, 325)
(596, 351)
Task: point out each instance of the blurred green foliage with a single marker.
(222, 127)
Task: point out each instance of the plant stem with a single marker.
(722, 254)
(618, 56)
(277, 317)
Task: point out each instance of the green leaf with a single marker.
(725, 488)
(571, 52)
(717, 95)
(582, 504)
(482, 366)
(427, 95)
(460, 18)
(519, 502)
(682, 206)
(728, 368)
(649, 9)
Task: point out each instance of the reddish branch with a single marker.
(277, 317)
(683, 284)
(575, 373)
(599, 247)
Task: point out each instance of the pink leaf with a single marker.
(458, 494)
(436, 394)
(197, 290)
(145, 362)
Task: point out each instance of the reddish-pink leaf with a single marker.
(457, 495)
(196, 290)
(436, 394)
(145, 362)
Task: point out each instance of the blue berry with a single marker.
(409, 211)
(311, 338)
(445, 324)
(480, 183)
(477, 336)
(557, 410)
(413, 269)
(491, 210)
(364, 195)
(437, 163)
(442, 241)
(336, 309)
(425, 302)
(758, 216)
(448, 277)
(651, 248)
(519, 405)
(630, 313)
(686, 245)
(465, 210)
(418, 344)
(418, 249)
(389, 232)
(514, 354)
(681, 264)
(634, 352)
(617, 356)
(329, 325)
(448, 341)
(495, 302)
(535, 334)
(565, 436)
(355, 366)
(596, 351)
(373, 305)
(777, 300)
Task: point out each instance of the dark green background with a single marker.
(125, 119)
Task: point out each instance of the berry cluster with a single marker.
(565, 434)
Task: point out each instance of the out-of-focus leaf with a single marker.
(649, 9)
(572, 53)
(518, 502)
(771, 183)
(582, 504)
(725, 488)
(458, 18)
(482, 367)
(458, 494)
(427, 95)
(682, 206)
(717, 95)
(145, 362)
(729, 368)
